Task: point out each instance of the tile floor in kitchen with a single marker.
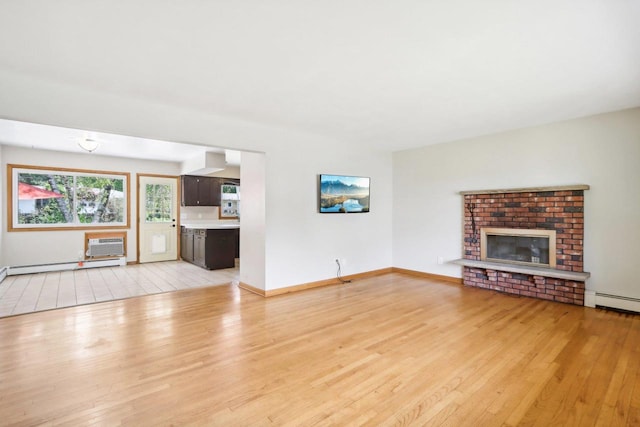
(44, 291)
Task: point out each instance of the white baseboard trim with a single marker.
(616, 301)
(3, 273)
(63, 266)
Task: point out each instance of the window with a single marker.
(54, 198)
(158, 203)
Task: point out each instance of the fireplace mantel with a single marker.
(575, 187)
(525, 269)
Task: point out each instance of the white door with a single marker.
(157, 222)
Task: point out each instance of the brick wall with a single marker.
(562, 211)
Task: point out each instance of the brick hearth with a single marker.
(558, 208)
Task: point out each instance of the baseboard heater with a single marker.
(617, 302)
(63, 266)
(3, 273)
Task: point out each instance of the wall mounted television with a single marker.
(343, 194)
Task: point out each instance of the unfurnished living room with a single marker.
(319, 213)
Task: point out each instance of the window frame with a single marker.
(12, 196)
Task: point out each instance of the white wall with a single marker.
(42, 247)
(2, 208)
(602, 151)
(253, 220)
(302, 244)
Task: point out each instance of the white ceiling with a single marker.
(382, 74)
(58, 138)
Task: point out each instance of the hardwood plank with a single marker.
(388, 350)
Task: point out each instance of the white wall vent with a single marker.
(106, 246)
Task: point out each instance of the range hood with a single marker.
(204, 164)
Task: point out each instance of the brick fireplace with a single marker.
(557, 211)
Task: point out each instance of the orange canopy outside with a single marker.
(30, 192)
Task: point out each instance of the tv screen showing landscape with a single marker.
(343, 194)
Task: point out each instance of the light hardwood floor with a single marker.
(389, 350)
(44, 291)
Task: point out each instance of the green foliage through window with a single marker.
(230, 189)
(158, 203)
(60, 198)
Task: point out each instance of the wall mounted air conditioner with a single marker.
(106, 246)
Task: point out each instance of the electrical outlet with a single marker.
(440, 260)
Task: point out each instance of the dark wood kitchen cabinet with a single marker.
(220, 249)
(200, 190)
(186, 244)
(200, 248)
(203, 190)
(210, 248)
(236, 237)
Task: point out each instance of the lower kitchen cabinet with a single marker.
(220, 251)
(237, 239)
(210, 248)
(186, 244)
(200, 248)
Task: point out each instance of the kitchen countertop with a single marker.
(212, 225)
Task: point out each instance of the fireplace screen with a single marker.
(533, 247)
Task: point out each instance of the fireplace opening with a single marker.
(518, 246)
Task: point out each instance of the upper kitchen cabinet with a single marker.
(203, 190)
(200, 191)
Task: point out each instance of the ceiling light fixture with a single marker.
(88, 144)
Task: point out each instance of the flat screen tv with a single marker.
(343, 194)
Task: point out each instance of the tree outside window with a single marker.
(62, 198)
